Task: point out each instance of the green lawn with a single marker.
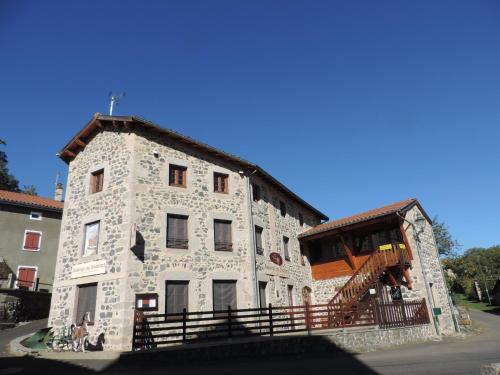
(462, 300)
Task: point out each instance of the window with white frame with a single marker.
(91, 240)
(32, 240)
(35, 215)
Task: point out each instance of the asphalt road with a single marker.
(451, 356)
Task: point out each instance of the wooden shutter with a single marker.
(177, 297)
(285, 248)
(221, 183)
(177, 231)
(222, 235)
(258, 240)
(87, 294)
(224, 295)
(26, 277)
(97, 181)
(177, 175)
(32, 241)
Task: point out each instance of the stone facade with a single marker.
(136, 194)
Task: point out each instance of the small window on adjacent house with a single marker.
(177, 175)
(97, 181)
(146, 302)
(262, 295)
(91, 241)
(221, 183)
(222, 235)
(32, 240)
(177, 231)
(177, 298)
(224, 295)
(86, 302)
(282, 208)
(256, 192)
(285, 248)
(258, 240)
(35, 215)
(302, 256)
(290, 295)
(301, 219)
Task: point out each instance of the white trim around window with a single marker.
(34, 215)
(31, 267)
(39, 240)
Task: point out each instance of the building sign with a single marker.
(276, 258)
(146, 302)
(88, 269)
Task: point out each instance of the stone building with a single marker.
(29, 235)
(158, 221)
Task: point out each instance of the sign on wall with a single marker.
(91, 239)
(276, 258)
(88, 269)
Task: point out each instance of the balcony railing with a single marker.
(177, 243)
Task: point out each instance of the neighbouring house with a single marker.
(495, 298)
(157, 221)
(29, 236)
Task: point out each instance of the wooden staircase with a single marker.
(369, 272)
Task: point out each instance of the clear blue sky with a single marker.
(352, 104)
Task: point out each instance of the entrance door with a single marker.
(26, 277)
(306, 295)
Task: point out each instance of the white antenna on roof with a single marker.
(113, 100)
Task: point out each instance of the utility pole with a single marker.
(484, 280)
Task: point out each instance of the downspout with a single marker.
(253, 245)
(426, 283)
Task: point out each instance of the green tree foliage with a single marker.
(7, 181)
(476, 264)
(30, 190)
(446, 244)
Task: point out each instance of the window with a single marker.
(91, 242)
(290, 295)
(332, 250)
(32, 240)
(146, 302)
(97, 181)
(301, 219)
(302, 256)
(258, 240)
(221, 183)
(177, 297)
(256, 192)
(177, 231)
(35, 215)
(282, 208)
(86, 302)
(222, 235)
(26, 277)
(262, 295)
(224, 295)
(285, 248)
(177, 175)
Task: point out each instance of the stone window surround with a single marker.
(89, 219)
(212, 216)
(26, 231)
(228, 276)
(257, 221)
(97, 167)
(232, 183)
(39, 218)
(193, 241)
(171, 275)
(164, 174)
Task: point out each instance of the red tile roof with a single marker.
(365, 216)
(29, 200)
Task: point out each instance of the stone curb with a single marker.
(15, 348)
(491, 369)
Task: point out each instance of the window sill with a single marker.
(178, 186)
(31, 250)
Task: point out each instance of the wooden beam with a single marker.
(99, 124)
(80, 143)
(348, 250)
(405, 239)
(71, 154)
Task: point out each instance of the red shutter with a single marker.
(26, 277)
(32, 241)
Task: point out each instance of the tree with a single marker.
(30, 190)
(7, 181)
(446, 244)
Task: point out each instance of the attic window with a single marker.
(35, 215)
(221, 183)
(97, 180)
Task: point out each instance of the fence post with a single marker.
(184, 324)
(375, 312)
(308, 323)
(271, 320)
(37, 284)
(138, 334)
(229, 328)
(405, 323)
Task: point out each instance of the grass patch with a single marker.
(462, 300)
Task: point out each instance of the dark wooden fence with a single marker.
(154, 330)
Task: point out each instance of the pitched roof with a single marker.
(98, 122)
(364, 216)
(27, 200)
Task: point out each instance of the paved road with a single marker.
(452, 356)
(7, 335)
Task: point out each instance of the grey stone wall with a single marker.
(325, 290)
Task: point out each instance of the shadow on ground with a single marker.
(277, 356)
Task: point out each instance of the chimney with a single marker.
(58, 196)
